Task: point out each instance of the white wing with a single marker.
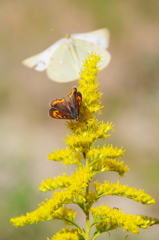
(41, 61)
(67, 60)
(99, 37)
(63, 60)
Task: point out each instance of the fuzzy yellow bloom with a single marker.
(67, 234)
(106, 159)
(79, 179)
(49, 210)
(66, 156)
(106, 219)
(108, 188)
(55, 183)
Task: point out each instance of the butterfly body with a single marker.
(63, 60)
(62, 109)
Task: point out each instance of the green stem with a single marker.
(87, 217)
(87, 208)
(74, 224)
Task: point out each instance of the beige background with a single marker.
(130, 86)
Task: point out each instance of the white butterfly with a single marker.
(63, 60)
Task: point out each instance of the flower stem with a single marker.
(87, 216)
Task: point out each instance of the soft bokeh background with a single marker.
(130, 86)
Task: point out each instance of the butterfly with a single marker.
(63, 60)
(62, 109)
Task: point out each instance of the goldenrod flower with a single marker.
(83, 150)
(106, 219)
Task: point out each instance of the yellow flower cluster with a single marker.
(66, 156)
(106, 219)
(108, 188)
(106, 159)
(79, 180)
(67, 234)
(49, 210)
(53, 208)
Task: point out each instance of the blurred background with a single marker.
(130, 86)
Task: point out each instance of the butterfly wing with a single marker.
(67, 60)
(60, 109)
(54, 113)
(40, 61)
(63, 60)
(84, 48)
(99, 37)
(74, 102)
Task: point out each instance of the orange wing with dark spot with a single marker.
(62, 109)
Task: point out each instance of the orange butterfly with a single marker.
(62, 109)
